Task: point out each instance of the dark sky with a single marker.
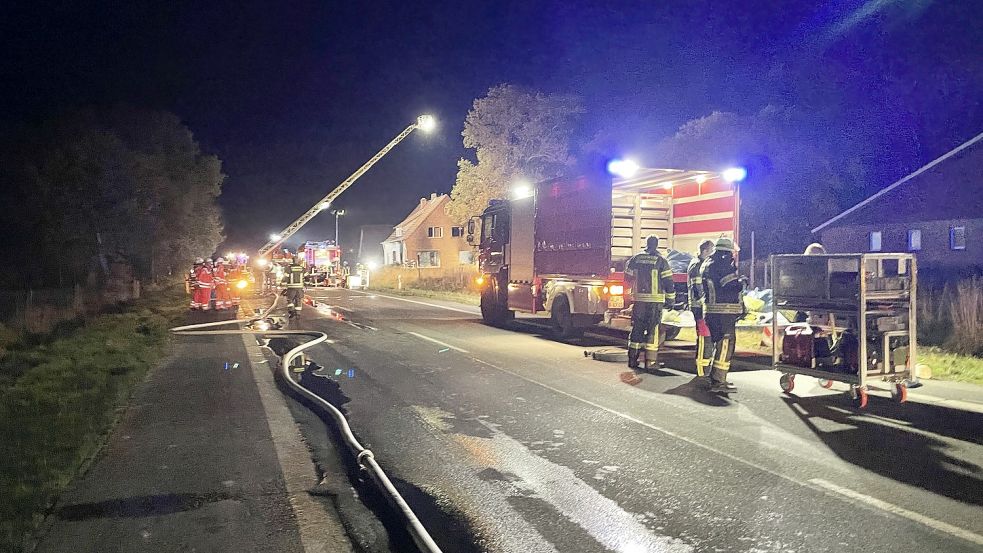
(294, 96)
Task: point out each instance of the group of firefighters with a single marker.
(715, 293)
(219, 277)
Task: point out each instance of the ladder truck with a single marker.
(425, 123)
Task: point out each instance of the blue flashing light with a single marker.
(734, 174)
(624, 168)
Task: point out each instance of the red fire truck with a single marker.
(560, 247)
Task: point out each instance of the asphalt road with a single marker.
(505, 440)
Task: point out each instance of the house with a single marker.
(935, 212)
(427, 237)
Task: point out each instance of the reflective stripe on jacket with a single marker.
(652, 277)
(722, 287)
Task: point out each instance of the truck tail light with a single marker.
(616, 289)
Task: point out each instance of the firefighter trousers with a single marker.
(723, 333)
(645, 319)
(295, 298)
(704, 354)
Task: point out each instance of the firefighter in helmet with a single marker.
(723, 304)
(652, 288)
(694, 284)
(293, 279)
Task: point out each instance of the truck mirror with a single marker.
(471, 228)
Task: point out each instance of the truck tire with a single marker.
(562, 320)
(493, 312)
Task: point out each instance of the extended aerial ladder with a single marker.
(425, 123)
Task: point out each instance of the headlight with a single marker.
(616, 290)
(242, 284)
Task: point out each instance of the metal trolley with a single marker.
(872, 296)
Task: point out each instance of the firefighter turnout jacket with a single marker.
(294, 276)
(694, 287)
(652, 278)
(722, 287)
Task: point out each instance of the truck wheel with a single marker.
(491, 311)
(562, 320)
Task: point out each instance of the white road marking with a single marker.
(438, 342)
(900, 511)
(320, 531)
(811, 484)
(422, 303)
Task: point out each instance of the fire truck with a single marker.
(559, 248)
(323, 262)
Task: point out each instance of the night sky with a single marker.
(294, 96)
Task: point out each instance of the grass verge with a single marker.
(456, 296)
(59, 395)
(952, 366)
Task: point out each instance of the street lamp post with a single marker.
(337, 214)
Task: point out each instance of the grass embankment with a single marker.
(952, 366)
(59, 396)
(469, 298)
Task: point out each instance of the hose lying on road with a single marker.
(364, 457)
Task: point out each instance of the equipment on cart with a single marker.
(869, 302)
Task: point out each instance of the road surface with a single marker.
(505, 440)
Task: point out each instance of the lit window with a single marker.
(957, 238)
(465, 257)
(457, 232)
(914, 240)
(875, 241)
(435, 232)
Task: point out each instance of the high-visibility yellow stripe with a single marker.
(724, 308)
(728, 279)
(652, 347)
(696, 280)
(635, 345)
(666, 273)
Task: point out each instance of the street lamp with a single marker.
(337, 214)
(324, 205)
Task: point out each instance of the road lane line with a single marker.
(811, 484)
(438, 342)
(418, 302)
(320, 530)
(900, 511)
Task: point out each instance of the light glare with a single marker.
(624, 168)
(734, 174)
(426, 123)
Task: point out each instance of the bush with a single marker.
(953, 317)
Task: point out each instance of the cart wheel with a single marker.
(826, 383)
(859, 396)
(899, 393)
(787, 382)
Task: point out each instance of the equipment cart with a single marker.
(865, 302)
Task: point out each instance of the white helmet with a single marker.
(220, 260)
(199, 261)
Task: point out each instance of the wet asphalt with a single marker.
(506, 440)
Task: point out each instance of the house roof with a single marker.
(416, 217)
(947, 187)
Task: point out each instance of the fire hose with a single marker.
(363, 456)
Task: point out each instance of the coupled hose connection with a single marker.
(364, 457)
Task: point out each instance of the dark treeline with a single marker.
(91, 188)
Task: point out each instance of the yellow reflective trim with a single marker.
(652, 347)
(721, 366)
(666, 273)
(696, 280)
(635, 345)
(728, 279)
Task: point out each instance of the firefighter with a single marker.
(694, 285)
(236, 275)
(222, 298)
(204, 284)
(293, 278)
(723, 307)
(652, 287)
(191, 283)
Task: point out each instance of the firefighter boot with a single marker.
(633, 354)
(651, 359)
